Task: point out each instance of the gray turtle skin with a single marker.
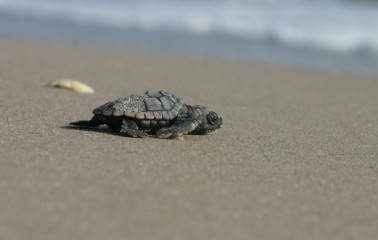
(154, 113)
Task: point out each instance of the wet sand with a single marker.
(297, 157)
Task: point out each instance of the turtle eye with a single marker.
(212, 118)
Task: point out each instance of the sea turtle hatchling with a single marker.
(159, 114)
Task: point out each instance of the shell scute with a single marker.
(165, 115)
(172, 115)
(130, 114)
(107, 112)
(149, 115)
(140, 115)
(158, 115)
(153, 94)
(167, 102)
(118, 113)
(167, 94)
(153, 104)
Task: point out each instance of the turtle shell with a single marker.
(151, 105)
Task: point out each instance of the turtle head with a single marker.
(208, 121)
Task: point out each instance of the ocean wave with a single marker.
(326, 24)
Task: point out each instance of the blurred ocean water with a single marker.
(337, 35)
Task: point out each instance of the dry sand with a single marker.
(297, 157)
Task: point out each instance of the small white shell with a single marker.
(72, 85)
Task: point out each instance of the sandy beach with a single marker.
(297, 157)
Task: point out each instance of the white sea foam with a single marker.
(326, 24)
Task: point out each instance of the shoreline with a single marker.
(359, 61)
(295, 159)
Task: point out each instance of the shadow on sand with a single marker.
(100, 129)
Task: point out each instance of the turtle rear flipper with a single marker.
(86, 123)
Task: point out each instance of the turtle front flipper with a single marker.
(130, 129)
(178, 129)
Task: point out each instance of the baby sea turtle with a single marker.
(159, 114)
